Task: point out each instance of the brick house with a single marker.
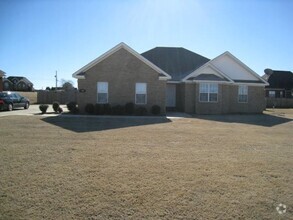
(173, 78)
(2, 74)
(279, 92)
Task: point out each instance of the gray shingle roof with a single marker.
(279, 79)
(176, 61)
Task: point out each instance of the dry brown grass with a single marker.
(209, 167)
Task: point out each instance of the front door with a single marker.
(171, 96)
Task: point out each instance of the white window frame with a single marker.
(243, 91)
(137, 92)
(106, 91)
(208, 87)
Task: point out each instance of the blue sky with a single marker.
(40, 36)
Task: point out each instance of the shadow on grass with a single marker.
(87, 124)
(264, 120)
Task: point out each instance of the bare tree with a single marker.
(66, 84)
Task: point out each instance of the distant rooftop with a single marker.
(279, 78)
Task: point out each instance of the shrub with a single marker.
(156, 110)
(56, 106)
(107, 109)
(43, 108)
(89, 108)
(60, 110)
(72, 107)
(118, 110)
(99, 109)
(129, 108)
(140, 111)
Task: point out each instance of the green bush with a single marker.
(129, 108)
(99, 109)
(156, 110)
(118, 110)
(56, 106)
(107, 109)
(72, 107)
(140, 111)
(60, 110)
(89, 108)
(43, 108)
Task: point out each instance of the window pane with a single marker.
(213, 97)
(203, 97)
(213, 88)
(203, 88)
(243, 98)
(242, 90)
(102, 87)
(140, 88)
(140, 99)
(102, 98)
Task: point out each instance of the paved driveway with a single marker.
(33, 110)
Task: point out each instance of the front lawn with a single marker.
(207, 167)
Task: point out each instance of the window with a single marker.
(208, 92)
(102, 92)
(140, 93)
(272, 94)
(242, 93)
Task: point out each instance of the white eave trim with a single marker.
(113, 50)
(208, 64)
(79, 77)
(250, 84)
(211, 81)
(173, 82)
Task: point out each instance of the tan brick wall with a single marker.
(209, 107)
(227, 100)
(256, 100)
(190, 97)
(122, 70)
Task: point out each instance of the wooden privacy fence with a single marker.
(279, 102)
(63, 97)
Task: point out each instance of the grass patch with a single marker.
(189, 168)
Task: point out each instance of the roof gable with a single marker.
(208, 68)
(17, 79)
(233, 69)
(79, 74)
(2, 73)
(176, 61)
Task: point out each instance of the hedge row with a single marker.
(128, 109)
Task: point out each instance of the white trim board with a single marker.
(113, 50)
(233, 58)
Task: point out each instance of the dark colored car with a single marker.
(11, 100)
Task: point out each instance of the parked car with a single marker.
(11, 100)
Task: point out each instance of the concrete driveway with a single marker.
(33, 110)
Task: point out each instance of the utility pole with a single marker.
(56, 80)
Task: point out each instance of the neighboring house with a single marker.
(175, 78)
(279, 92)
(7, 85)
(2, 74)
(280, 83)
(17, 83)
